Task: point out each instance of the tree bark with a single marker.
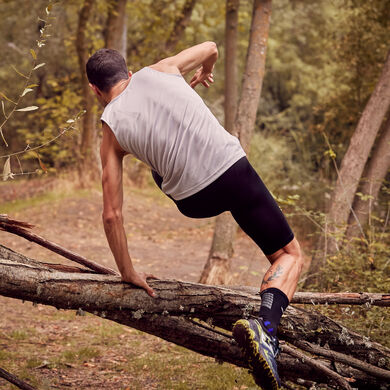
(254, 72)
(185, 314)
(241, 124)
(378, 167)
(116, 27)
(217, 269)
(89, 167)
(231, 90)
(351, 171)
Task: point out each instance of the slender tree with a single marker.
(116, 27)
(89, 161)
(179, 25)
(218, 263)
(377, 169)
(351, 171)
(217, 267)
(138, 171)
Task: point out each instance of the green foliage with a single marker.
(361, 265)
(323, 60)
(42, 130)
(288, 177)
(360, 39)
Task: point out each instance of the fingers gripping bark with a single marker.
(140, 279)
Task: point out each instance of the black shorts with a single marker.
(241, 191)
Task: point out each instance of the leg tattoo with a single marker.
(272, 275)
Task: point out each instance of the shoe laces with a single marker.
(272, 341)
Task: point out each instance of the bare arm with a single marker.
(112, 157)
(201, 57)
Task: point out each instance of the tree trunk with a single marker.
(138, 171)
(116, 28)
(231, 90)
(185, 314)
(376, 172)
(254, 73)
(89, 166)
(179, 25)
(216, 270)
(351, 171)
(218, 264)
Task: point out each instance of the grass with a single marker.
(65, 347)
(179, 369)
(79, 355)
(5, 355)
(19, 335)
(48, 198)
(50, 347)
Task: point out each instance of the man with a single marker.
(156, 116)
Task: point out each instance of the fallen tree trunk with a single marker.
(187, 313)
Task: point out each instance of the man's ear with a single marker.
(95, 89)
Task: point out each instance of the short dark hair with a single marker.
(105, 68)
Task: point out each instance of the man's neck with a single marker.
(116, 90)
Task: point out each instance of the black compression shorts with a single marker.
(241, 191)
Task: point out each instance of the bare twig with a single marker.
(15, 380)
(338, 379)
(342, 358)
(18, 228)
(316, 298)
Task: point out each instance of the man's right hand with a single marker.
(139, 279)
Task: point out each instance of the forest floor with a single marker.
(55, 349)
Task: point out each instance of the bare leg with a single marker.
(257, 337)
(286, 266)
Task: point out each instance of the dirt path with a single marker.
(161, 240)
(59, 350)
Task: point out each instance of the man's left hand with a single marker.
(140, 279)
(202, 77)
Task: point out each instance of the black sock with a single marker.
(273, 304)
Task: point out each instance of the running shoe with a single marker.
(260, 350)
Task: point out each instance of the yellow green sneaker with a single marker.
(260, 350)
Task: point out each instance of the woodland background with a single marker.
(323, 61)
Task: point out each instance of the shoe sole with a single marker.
(259, 367)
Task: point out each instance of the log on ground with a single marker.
(198, 317)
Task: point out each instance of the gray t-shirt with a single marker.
(163, 122)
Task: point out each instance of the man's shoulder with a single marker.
(165, 66)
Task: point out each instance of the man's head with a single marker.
(105, 69)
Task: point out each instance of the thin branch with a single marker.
(210, 328)
(338, 379)
(15, 227)
(15, 380)
(40, 43)
(316, 298)
(342, 358)
(28, 149)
